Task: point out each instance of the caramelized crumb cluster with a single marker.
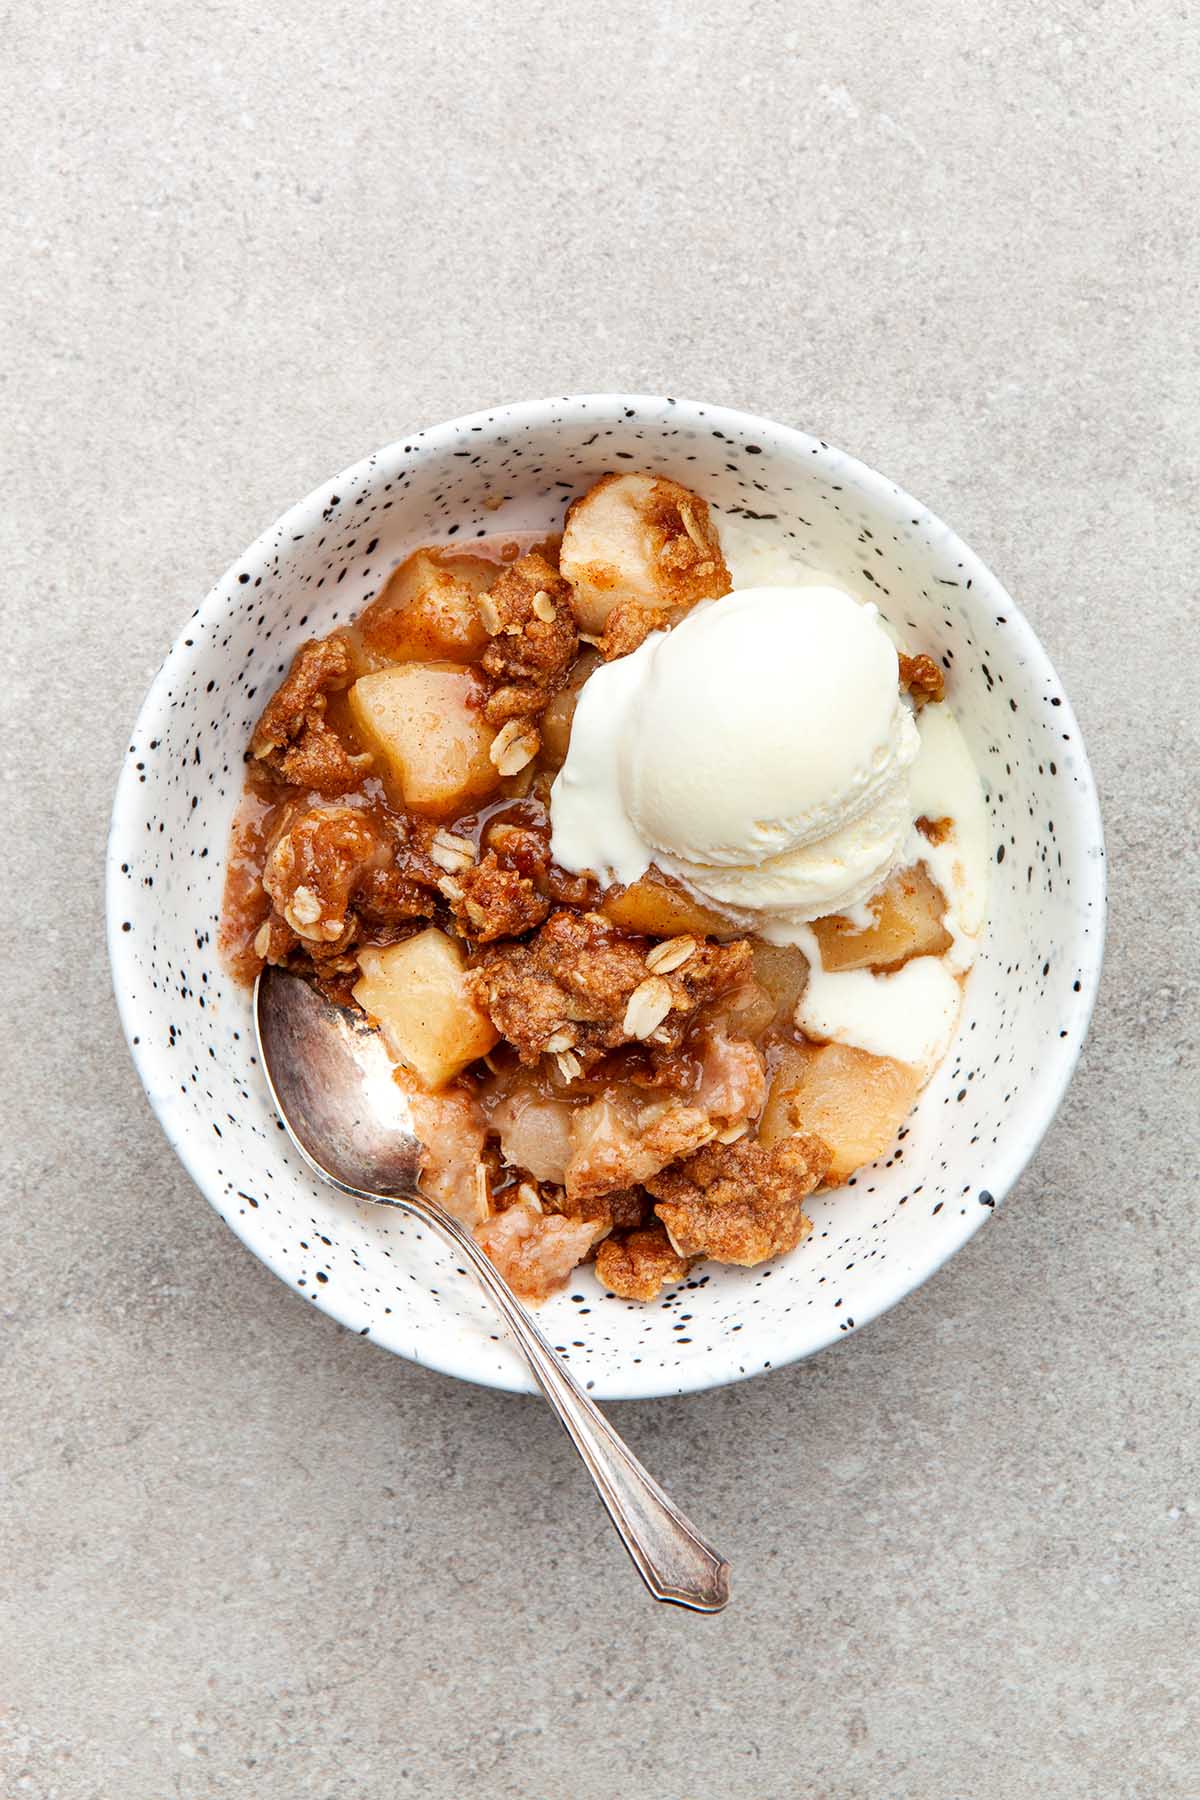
(491, 899)
(921, 677)
(646, 1098)
(639, 1265)
(532, 639)
(628, 627)
(739, 1202)
(580, 988)
(293, 738)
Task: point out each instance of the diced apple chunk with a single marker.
(416, 994)
(425, 724)
(786, 1077)
(907, 922)
(534, 1131)
(559, 715)
(782, 970)
(661, 909)
(854, 1101)
(780, 977)
(428, 610)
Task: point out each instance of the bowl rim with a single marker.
(1006, 1162)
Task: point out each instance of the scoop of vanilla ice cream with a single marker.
(759, 752)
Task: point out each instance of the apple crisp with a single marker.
(607, 1073)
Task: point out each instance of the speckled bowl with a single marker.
(1028, 1000)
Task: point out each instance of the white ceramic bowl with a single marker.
(1028, 1000)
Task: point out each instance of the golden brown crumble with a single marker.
(639, 1264)
(526, 848)
(330, 870)
(740, 1202)
(619, 1210)
(314, 865)
(492, 901)
(921, 677)
(936, 831)
(387, 895)
(576, 979)
(293, 738)
(628, 626)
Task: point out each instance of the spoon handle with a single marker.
(668, 1552)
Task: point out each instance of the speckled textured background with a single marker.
(242, 1553)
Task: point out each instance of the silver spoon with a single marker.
(332, 1082)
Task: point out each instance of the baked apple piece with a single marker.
(428, 611)
(855, 1102)
(642, 540)
(416, 994)
(425, 724)
(906, 921)
(534, 1130)
(781, 970)
(559, 714)
(656, 907)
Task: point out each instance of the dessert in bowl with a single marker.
(670, 831)
(657, 882)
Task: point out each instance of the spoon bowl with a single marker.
(331, 1079)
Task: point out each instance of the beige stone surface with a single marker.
(244, 1554)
